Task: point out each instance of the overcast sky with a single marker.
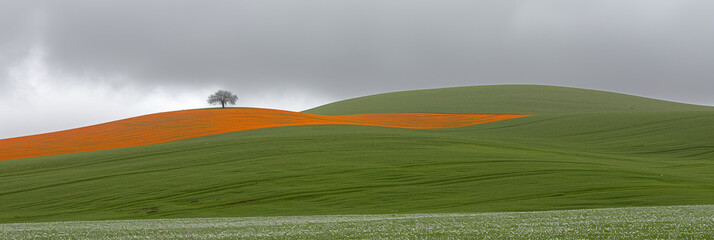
(72, 63)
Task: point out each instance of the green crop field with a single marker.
(582, 149)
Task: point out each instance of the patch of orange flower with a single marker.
(178, 125)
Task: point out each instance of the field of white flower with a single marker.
(672, 222)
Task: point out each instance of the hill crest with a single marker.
(503, 99)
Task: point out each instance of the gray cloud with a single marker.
(327, 45)
(16, 29)
(339, 49)
(384, 45)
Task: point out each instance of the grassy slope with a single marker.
(575, 160)
(503, 99)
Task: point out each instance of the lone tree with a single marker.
(223, 97)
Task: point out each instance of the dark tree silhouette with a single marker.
(223, 97)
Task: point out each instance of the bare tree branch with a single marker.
(223, 97)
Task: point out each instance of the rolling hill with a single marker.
(521, 99)
(581, 149)
(179, 125)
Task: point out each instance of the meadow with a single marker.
(674, 222)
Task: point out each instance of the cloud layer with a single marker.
(117, 59)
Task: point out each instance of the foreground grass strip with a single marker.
(672, 222)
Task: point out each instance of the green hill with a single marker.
(590, 151)
(502, 99)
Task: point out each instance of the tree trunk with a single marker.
(223, 105)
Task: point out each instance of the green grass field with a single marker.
(583, 149)
(503, 99)
(677, 222)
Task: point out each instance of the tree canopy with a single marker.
(223, 97)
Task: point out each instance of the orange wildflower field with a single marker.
(179, 125)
